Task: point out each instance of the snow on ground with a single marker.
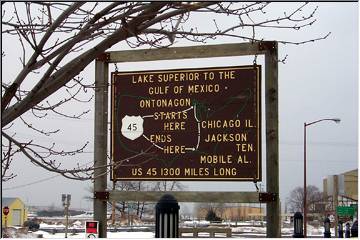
(243, 229)
(57, 226)
(195, 223)
(247, 231)
(117, 235)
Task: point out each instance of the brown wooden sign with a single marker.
(189, 124)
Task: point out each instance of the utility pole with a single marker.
(336, 202)
(66, 198)
(305, 184)
(261, 212)
(100, 143)
(113, 206)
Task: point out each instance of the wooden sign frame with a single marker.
(267, 48)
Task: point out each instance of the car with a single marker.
(32, 225)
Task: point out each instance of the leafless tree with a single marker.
(57, 40)
(218, 208)
(296, 198)
(140, 208)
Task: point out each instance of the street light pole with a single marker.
(336, 120)
(305, 210)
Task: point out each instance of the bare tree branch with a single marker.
(57, 40)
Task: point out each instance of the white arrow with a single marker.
(190, 149)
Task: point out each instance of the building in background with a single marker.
(347, 185)
(341, 195)
(238, 213)
(17, 212)
(351, 184)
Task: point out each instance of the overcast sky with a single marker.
(319, 80)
